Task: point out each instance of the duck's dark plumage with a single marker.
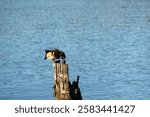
(54, 54)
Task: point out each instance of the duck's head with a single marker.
(49, 55)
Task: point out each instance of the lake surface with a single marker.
(107, 43)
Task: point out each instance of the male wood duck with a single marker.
(55, 54)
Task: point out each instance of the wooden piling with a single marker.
(63, 89)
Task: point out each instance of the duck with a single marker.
(55, 54)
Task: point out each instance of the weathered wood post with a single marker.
(61, 82)
(63, 89)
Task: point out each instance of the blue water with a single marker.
(107, 43)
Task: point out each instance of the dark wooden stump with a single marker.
(63, 89)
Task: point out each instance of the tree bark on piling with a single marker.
(63, 88)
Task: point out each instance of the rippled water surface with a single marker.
(107, 43)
